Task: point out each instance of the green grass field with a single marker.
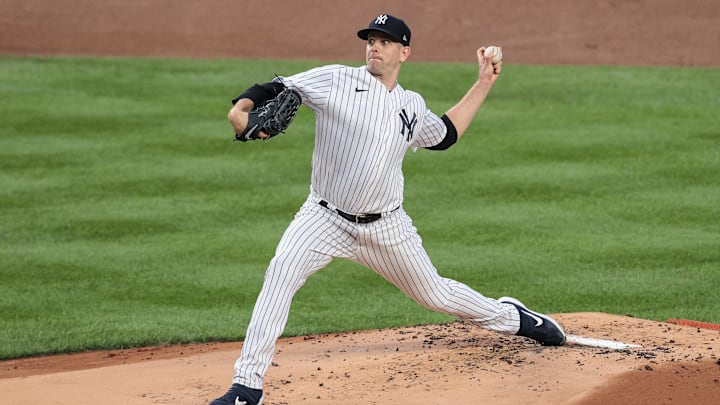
(129, 217)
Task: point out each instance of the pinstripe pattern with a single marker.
(389, 246)
(360, 142)
(358, 155)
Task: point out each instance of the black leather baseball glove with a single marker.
(273, 117)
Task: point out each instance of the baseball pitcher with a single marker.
(365, 123)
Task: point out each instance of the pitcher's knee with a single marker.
(436, 302)
(278, 272)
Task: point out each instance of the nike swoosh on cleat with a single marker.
(359, 90)
(538, 320)
(238, 402)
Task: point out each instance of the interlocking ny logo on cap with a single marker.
(392, 26)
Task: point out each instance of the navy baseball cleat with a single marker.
(239, 394)
(537, 326)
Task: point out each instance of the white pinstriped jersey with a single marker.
(362, 134)
(357, 117)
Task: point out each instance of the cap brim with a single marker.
(363, 34)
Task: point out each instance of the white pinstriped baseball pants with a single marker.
(390, 246)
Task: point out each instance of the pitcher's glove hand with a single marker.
(273, 117)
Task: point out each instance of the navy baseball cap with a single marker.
(393, 26)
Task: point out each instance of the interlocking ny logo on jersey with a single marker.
(408, 124)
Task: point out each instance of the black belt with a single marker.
(359, 219)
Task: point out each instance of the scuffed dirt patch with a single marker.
(430, 364)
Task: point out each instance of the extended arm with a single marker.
(462, 113)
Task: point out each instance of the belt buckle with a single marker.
(366, 218)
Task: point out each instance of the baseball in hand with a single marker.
(496, 53)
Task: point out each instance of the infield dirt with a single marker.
(432, 364)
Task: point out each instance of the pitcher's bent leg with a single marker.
(296, 258)
(400, 258)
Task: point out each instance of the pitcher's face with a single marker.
(384, 55)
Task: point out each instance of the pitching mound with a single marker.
(453, 363)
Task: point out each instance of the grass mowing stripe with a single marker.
(129, 217)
